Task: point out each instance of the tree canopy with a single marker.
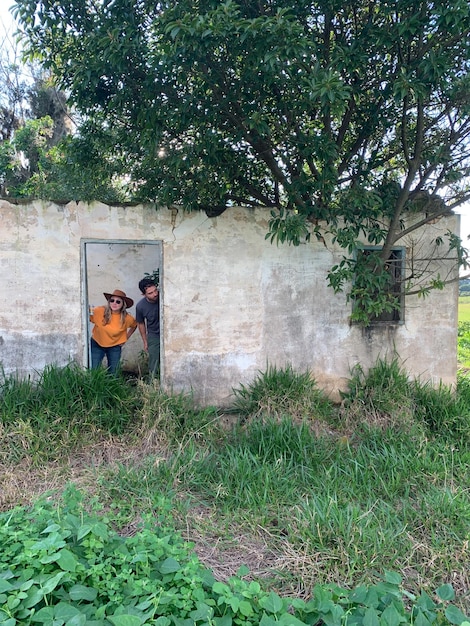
(341, 117)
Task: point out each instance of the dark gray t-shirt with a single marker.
(149, 312)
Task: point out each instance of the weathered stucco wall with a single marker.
(231, 301)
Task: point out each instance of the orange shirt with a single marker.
(112, 334)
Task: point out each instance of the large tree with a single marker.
(347, 118)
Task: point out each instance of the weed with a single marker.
(444, 411)
(278, 392)
(381, 397)
(335, 508)
(64, 406)
(173, 419)
(62, 563)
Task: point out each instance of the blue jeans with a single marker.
(113, 356)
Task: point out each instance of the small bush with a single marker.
(44, 417)
(443, 410)
(381, 397)
(279, 392)
(172, 419)
(385, 397)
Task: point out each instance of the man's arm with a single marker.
(143, 334)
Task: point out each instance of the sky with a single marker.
(465, 224)
(7, 28)
(7, 24)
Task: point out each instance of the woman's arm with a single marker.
(130, 332)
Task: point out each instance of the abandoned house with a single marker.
(231, 302)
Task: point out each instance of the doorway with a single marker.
(118, 264)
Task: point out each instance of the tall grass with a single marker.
(339, 513)
(278, 392)
(384, 486)
(46, 417)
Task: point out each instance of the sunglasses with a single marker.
(116, 300)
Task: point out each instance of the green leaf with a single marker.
(5, 585)
(244, 570)
(65, 611)
(163, 621)
(84, 530)
(245, 608)
(169, 566)
(445, 592)
(51, 528)
(371, 618)
(81, 592)
(80, 620)
(272, 603)
(393, 577)
(67, 561)
(35, 596)
(126, 620)
(391, 617)
(455, 615)
(421, 619)
(426, 602)
(202, 612)
(221, 588)
(266, 620)
(52, 583)
(287, 619)
(44, 615)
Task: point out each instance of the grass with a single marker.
(464, 309)
(302, 491)
(44, 419)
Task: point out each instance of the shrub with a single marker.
(65, 406)
(381, 397)
(279, 392)
(173, 419)
(444, 411)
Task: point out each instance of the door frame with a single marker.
(84, 281)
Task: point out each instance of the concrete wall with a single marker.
(231, 301)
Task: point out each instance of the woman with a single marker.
(113, 326)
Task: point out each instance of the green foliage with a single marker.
(22, 156)
(372, 290)
(380, 397)
(463, 343)
(287, 226)
(346, 121)
(155, 276)
(62, 563)
(62, 172)
(385, 396)
(382, 486)
(60, 406)
(278, 392)
(443, 410)
(173, 419)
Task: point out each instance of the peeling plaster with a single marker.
(231, 301)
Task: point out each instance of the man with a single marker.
(147, 315)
